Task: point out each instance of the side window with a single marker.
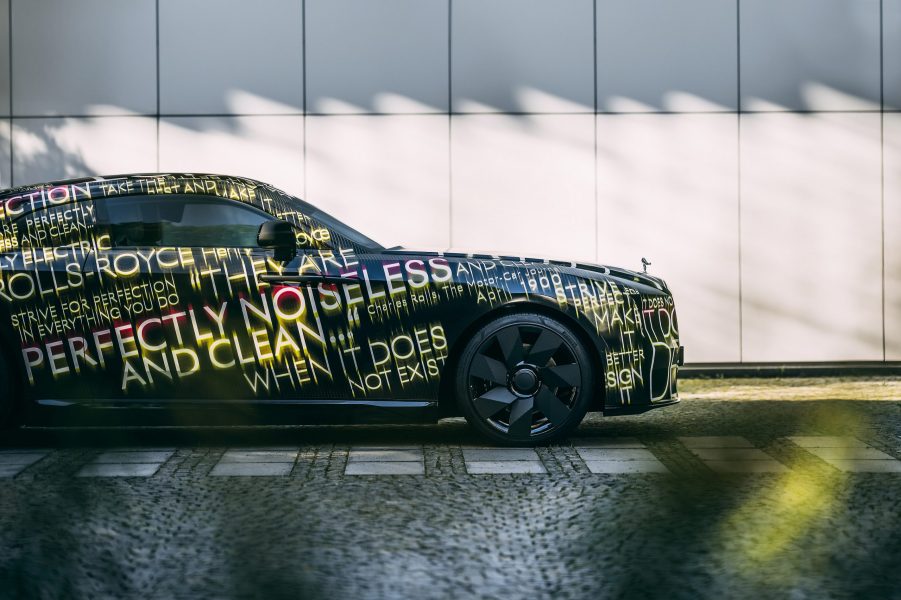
(51, 227)
(181, 221)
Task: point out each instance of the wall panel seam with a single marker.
(450, 124)
(303, 79)
(741, 325)
(9, 25)
(3, 185)
(11, 94)
(158, 85)
(597, 198)
(882, 163)
(455, 114)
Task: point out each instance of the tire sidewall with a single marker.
(586, 391)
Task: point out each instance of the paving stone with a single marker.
(21, 458)
(746, 466)
(708, 454)
(612, 442)
(133, 457)
(561, 460)
(499, 467)
(829, 454)
(264, 449)
(827, 441)
(249, 469)
(385, 468)
(611, 454)
(867, 466)
(725, 441)
(119, 470)
(499, 454)
(626, 466)
(386, 447)
(385, 455)
(259, 456)
(169, 449)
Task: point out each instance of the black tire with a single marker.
(524, 379)
(7, 397)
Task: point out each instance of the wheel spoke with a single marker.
(562, 376)
(544, 348)
(521, 417)
(489, 369)
(511, 346)
(493, 401)
(553, 408)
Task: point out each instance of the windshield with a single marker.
(336, 226)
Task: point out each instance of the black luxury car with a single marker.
(175, 292)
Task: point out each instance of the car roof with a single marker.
(106, 186)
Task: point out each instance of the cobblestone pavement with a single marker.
(708, 499)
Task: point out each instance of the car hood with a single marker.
(589, 269)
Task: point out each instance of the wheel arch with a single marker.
(595, 346)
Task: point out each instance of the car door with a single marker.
(366, 335)
(183, 270)
(372, 329)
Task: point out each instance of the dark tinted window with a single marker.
(55, 226)
(181, 221)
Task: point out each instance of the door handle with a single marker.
(273, 278)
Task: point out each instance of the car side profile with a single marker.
(158, 292)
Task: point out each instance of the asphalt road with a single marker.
(804, 528)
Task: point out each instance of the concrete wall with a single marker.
(751, 149)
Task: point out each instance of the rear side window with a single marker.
(180, 221)
(51, 227)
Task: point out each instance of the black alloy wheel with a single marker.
(524, 379)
